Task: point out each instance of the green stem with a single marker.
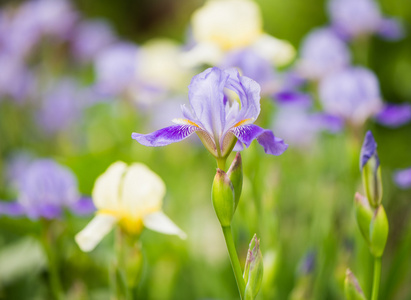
(221, 163)
(47, 242)
(377, 278)
(121, 289)
(235, 263)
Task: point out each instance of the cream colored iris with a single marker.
(224, 25)
(130, 196)
(229, 23)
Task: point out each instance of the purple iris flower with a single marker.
(352, 94)
(16, 81)
(369, 150)
(53, 17)
(394, 115)
(323, 52)
(300, 127)
(391, 29)
(293, 98)
(115, 69)
(91, 37)
(217, 118)
(18, 31)
(62, 105)
(44, 190)
(353, 18)
(252, 65)
(403, 178)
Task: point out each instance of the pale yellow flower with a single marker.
(224, 25)
(229, 23)
(130, 196)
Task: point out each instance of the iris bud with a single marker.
(378, 232)
(371, 170)
(253, 271)
(235, 173)
(364, 214)
(352, 288)
(222, 196)
(371, 176)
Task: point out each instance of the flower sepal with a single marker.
(352, 288)
(223, 198)
(378, 232)
(235, 174)
(253, 270)
(363, 214)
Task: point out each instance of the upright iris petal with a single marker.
(368, 150)
(223, 106)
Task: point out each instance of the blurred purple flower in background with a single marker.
(61, 107)
(394, 115)
(354, 18)
(352, 94)
(403, 178)
(218, 119)
(290, 98)
(16, 81)
(18, 32)
(252, 65)
(391, 29)
(115, 69)
(299, 126)
(44, 190)
(53, 17)
(89, 38)
(307, 264)
(322, 52)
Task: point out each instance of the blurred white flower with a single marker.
(159, 71)
(229, 23)
(130, 196)
(222, 26)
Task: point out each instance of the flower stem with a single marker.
(221, 163)
(47, 242)
(377, 278)
(235, 263)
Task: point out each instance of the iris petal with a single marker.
(207, 99)
(159, 222)
(247, 133)
(165, 136)
(12, 209)
(369, 148)
(95, 231)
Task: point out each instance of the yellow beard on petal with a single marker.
(244, 122)
(131, 224)
(180, 121)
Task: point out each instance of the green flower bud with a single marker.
(364, 214)
(222, 196)
(235, 173)
(378, 232)
(371, 176)
(371, 171)
(352, 288)
(253, 271)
